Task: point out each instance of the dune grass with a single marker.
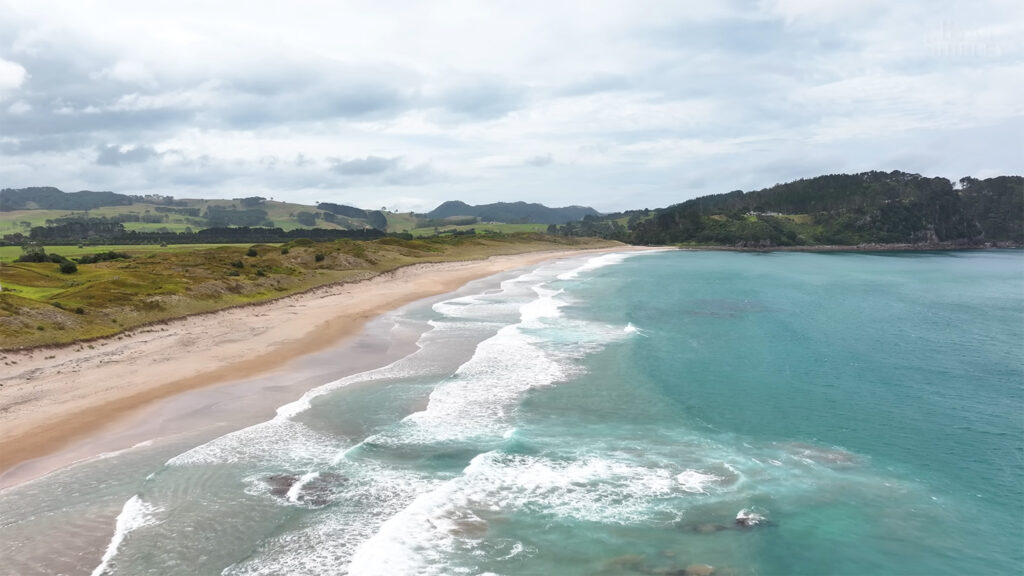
(39, 305)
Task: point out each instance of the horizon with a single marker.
(620, 107)
(954, 182)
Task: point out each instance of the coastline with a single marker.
(54, 398)
(863, 248)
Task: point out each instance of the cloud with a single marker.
(364, 166)
(12, 75)
(383, 171)
(481, 98)
(128, 72)
(418, 175)
(116, 156)
(644, 106)
(540, 161)
(595, 83)
(18, 108)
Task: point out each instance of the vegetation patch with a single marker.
(40, 305)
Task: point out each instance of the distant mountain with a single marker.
(837, 209)
(511, 212)
(49, 198)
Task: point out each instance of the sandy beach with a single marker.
(56, 397)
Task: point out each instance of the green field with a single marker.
(11, 253)
(401, 221)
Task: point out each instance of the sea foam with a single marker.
(134, 515)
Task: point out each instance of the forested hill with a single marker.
(511, 212)
(838, 209)
(49, 198)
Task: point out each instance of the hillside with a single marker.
(838, 209)
(510, 212)
(25, 208)
(49, 198)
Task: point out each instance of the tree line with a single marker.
(97, 231)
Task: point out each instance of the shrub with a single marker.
(102, 257)
(68, 267)
(319, 257)
(32, 252)
(261, 273)
(81, 310)
(284, 250)
(252, 252)
(234, 273)
(238, 264)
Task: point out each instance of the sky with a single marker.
(614, 105)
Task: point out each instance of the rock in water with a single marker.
(630, 562)
(748, 518)
(279, 484)
(700, 570)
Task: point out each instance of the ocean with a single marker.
(672, 412)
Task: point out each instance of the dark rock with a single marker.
(280, 484)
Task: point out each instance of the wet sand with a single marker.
(61, 405)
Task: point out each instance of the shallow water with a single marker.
(617, 414)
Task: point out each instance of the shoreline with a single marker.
(861, 248)
(60, 398)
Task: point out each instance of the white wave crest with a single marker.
(134, 515)
(594, 264)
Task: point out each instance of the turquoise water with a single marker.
(621, 414)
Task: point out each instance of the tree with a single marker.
(32, 252)
(68, 267)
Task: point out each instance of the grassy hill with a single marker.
(152, 214)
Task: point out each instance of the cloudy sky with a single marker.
(615, 105)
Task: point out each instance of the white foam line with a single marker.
(296, 489)
(595, 263)
(134, 515)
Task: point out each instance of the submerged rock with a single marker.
(633, 562)
(316, 491)
(747, 518)
(699, 570)
(279, 484)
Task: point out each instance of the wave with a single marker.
(425, 537)
(524, 343)
(134, 515)
(594, 264)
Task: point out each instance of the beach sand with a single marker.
(60, 405)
